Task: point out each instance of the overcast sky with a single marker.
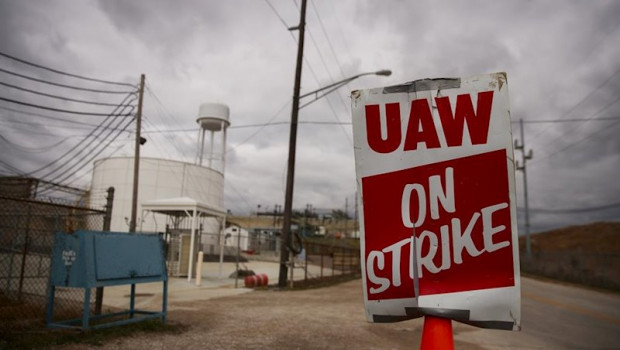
(562, 59)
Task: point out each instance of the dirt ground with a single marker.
(323, 318)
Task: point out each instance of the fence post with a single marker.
(24, 254)
(306, 263)
(322, 250)
(107, 220)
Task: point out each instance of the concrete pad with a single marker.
(215, 283)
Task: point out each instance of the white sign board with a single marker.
(436, 188)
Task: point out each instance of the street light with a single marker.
(290, 175)
(333, 87)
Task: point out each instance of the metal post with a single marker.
(290, 175)
(211, 153)
(136, 161)
(521, 147)
(221, 241)
(223, 147)
(237, 258)
(346, 216)
(191, 246)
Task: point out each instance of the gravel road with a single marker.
(323, 318)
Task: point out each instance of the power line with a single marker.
(591, 117)
(31, 150)
(607, 127)
(574, 107)
(277, 13)
(63, 85)
(93, 154)
(316, 12)
(309, 66)
(162, 113)
(574, 210)
(58, 109)
(71, 121)
(85, 148)
(316, 122)
(79, 144)
(260, 128)
(64, 73)
(62, 127)
(10, 167)
(56, 96)
(161, 109)
(543, 121)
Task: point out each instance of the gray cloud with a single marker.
(556, 53)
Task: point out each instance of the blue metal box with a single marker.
(89, 259)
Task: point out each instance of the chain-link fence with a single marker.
(321, 261)
(27, 230)
(318, 260)
(592, 269)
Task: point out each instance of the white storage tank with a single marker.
(159, 179)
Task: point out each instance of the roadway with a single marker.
(556, 316)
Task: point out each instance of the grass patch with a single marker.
(46, 338)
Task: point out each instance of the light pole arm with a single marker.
(335, 86)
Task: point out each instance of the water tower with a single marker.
(213, 117)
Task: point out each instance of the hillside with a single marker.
(596, 238)
(585, 254)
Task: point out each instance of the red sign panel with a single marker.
(462, 227)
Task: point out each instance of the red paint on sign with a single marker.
(461, 215)
(421, 128)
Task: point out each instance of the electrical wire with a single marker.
(591, 117)
(277, 14)
(58, 109)
(62, 85)
(162, 112)
(10, 167)
(572, 144)
(65, 73)
(259, 129)
(161, 109)
(70, 121)
(309, 66)
(574, 107)
(61, 127)
(572, 210)
(544, 121)
(86, 150)
(79, 145)
(331, 47)
(32, 150)
(76, 169)
(56, 96)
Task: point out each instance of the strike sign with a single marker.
(436, 188)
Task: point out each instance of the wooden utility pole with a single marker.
(136, 160)
(290, 175)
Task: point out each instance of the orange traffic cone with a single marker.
(437, 334)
